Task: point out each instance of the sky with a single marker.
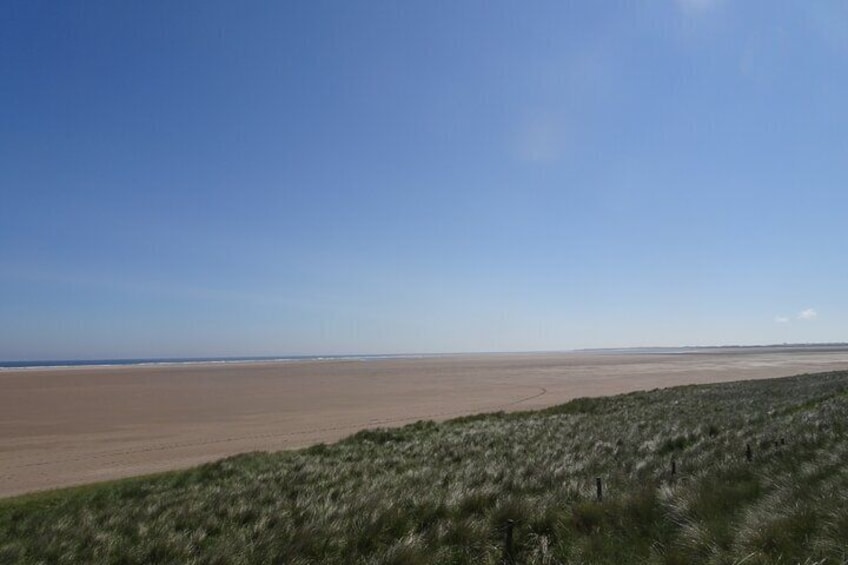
(207, 178)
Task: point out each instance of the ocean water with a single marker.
(8, 365)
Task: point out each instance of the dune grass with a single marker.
(442, 493)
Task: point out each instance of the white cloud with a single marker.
(808, 314)
(781, 319)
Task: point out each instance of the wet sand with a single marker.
(70, 426)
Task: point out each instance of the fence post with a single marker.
(508, 557)
(673, 467)
(749, 455)
(600, 489)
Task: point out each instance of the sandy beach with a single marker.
(70, 426)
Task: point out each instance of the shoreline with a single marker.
(116, 363)
(44, 365)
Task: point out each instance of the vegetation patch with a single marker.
(747, 472)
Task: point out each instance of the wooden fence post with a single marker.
(673, 467)
(508, 557)
(749, 455)
(600, 489)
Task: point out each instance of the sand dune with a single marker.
(63, 427)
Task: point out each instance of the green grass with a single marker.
(442, 493)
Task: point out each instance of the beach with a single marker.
(69, 426)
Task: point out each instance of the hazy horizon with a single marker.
(215, 179)
(308, 356)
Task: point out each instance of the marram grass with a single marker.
(442, 493)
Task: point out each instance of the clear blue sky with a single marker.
(248, 178)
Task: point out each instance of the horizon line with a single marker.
(307, 356)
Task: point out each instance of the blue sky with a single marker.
(249, 178)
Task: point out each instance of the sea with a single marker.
(55, 364)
